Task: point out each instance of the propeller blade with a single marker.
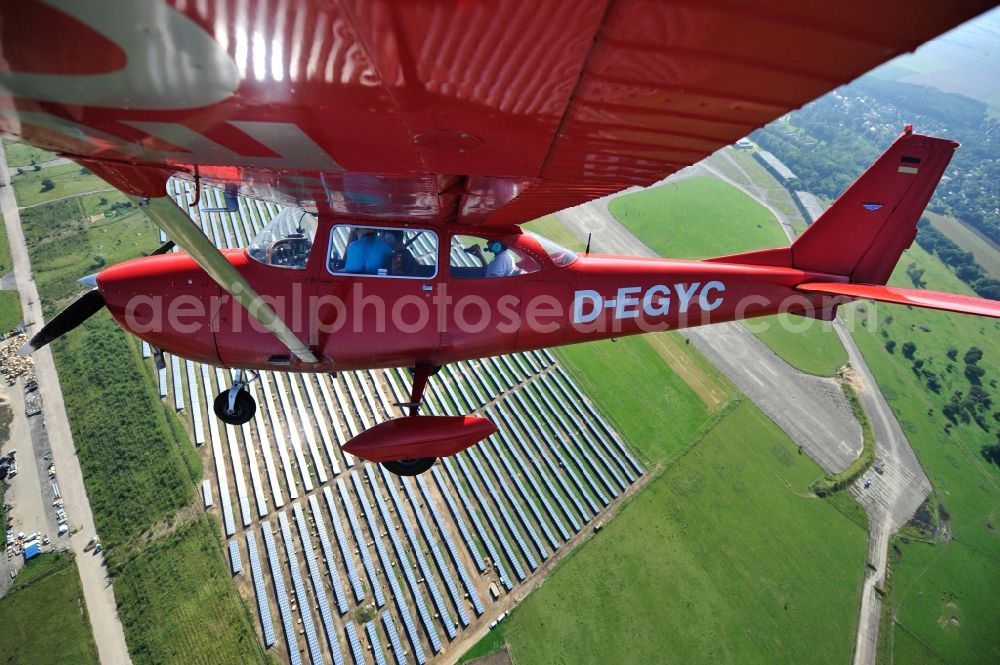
(78, 311)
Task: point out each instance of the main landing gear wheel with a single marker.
(242, 409)
(236, 406)
(409, 467)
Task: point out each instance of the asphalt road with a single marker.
(97, 590)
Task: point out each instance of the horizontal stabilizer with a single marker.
(949, 302)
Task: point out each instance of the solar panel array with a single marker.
(344, 544)
(491, 514)
(397, 591)
(354, 640)
(235, 561)
(397, 644)
(359, 537)
(418, 553)
(407, 568)
(328, 556)
(326, 617)
(377, 652)
(312, 639)
(280, 593)
(263, 607)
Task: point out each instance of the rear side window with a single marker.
(381, 251)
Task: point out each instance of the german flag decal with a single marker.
(909, 165)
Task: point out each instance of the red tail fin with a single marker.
(863, 234)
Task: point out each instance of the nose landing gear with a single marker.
(235, 406)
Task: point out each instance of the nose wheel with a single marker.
(236, 406)
(409, 467)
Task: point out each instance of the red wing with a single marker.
(480, 112)
(949, 302)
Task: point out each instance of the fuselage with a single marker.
(359, 321)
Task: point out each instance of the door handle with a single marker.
(427, 288)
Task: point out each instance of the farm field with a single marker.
(139, 464)
(178, 604)
(653, 407)
(43, 615)
(23, 154)
(987, 255)
(958, 577)
(10, 304)
(66, 179)
(729, 221)
(724, 558)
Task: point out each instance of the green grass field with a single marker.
(722, 559)
(43, 617)
(620, 375)
(928, 580)
(10, 304)
(701, 217)
(807, 344)
(67, 180)
(10, 310)
(6, 263)
(696, 219)
(552, 228)
(987, 255)
(23, 154)
(170, 602)
(175, 601)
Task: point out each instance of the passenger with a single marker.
(402, 262)
(368, 255)
(502, 263)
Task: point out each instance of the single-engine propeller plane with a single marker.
(408, 142)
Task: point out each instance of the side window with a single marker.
(472, 257)
(383, 251)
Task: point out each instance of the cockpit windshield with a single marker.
(560, 255)
(286, 240)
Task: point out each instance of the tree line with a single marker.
(829, 142)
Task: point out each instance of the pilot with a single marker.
(368, 255)
(502, 263)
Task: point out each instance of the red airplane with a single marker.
(408, 142)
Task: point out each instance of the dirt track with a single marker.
(97, 589)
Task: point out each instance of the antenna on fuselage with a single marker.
(586, 252)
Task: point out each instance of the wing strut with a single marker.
(182, 230)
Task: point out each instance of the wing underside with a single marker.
(488, 113)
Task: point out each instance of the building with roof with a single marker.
(809, 205)
(775, 167)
